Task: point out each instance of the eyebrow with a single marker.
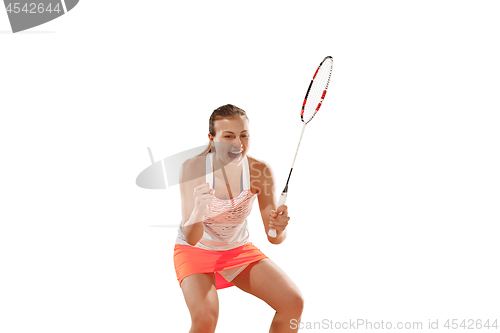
(233, 132)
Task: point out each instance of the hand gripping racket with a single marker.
(312, 102)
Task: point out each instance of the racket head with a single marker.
(316, 91)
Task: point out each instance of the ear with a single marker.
(210, 137)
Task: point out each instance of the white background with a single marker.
(395, 193)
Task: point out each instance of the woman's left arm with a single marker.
(264, 181)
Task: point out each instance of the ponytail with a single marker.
(208, 149)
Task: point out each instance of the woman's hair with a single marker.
(223, 112)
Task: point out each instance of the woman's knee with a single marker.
(298, 303)
(204, 320)
(292, 305)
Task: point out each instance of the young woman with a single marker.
(212, 249)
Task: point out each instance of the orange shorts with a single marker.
(190, 260)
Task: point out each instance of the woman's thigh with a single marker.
(201, 295)
(265, 280)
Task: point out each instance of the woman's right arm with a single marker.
(195, 198)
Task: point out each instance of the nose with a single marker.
(238, 142)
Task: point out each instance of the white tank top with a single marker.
(225, 223)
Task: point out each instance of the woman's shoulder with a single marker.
(193, 168)
(259, 166)
(194, 162)
(261, 176)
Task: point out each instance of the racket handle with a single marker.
(281, 202)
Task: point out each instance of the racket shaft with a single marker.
(272, 232)
(301, 134)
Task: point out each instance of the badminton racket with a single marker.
(312, 103)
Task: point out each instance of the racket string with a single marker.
(321, 86)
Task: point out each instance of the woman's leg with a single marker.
(202, 300)
(265, 280)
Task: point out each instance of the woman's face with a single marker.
(232, 139)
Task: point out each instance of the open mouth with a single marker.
(234, 155)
